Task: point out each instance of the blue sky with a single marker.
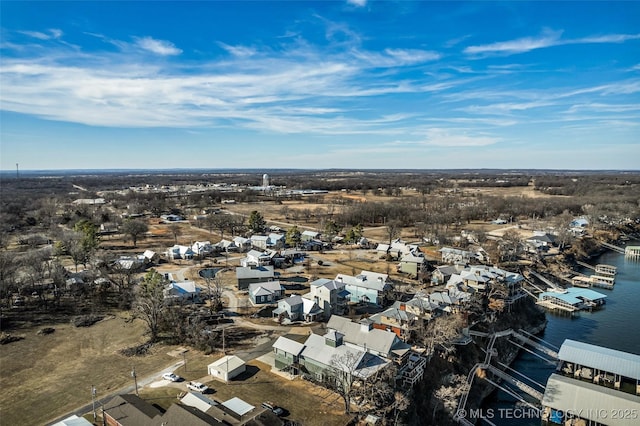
(330, 84)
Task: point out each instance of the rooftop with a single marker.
(601, 358)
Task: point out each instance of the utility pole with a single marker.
(135, 378)
(184, 360)
(93, 402)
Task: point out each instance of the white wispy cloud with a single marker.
(160, 47)
(548, 38)
(505, 108)
(241, 51)
(451, 138)
(51, 34)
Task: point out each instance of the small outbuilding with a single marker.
(227, 367)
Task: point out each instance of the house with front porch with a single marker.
(258, 258)
(265, 292)
(297, 308)
(330, 295)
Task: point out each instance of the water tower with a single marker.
(265, 180)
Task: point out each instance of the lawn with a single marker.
(45, 376)
(307, 403)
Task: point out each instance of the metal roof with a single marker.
(598, 357)
(590, 401)
(227, 363)
(288, 346)
(238, 406)
(574, 295)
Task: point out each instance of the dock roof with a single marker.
(601, 358)
(574, 295)
(589, 400)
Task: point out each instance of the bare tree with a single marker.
(394, 228)
(134, 229)
(441, 330)
(341, 376)
(150, 303)
(215, 289)
(449, 394)
(176, 231)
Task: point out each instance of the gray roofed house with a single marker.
(265, 292)
(364, 335)
(297, 308)
(247, 275)
(330, 295)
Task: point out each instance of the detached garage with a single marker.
(226, 368)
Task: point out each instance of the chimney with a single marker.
(403, 307)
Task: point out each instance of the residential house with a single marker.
(481, 278)
(297, 308)
(180, 252)
(412, 263)
(73, 421)
(276, 241)
(452, 255)
(131, 410)
(150, 257)
(363, 335)
(396, 319)
(257, 258)
(354, 348)
(202, 248)
(247, 275)
(309, 235)
(226, 246)
(330, 295)
(265, 292)
(171, 218)
(243, 244)
(182, 291)
(442, 273)
(368, 287)
(287, 355)
(260, 242)
(540, 241)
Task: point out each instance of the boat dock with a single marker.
(604, 276)
(632, 252)
(571, 300)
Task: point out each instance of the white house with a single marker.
(180, 252)
(182, 291)
(330, 295)
(202, 248)
(226, 368)
(257, 258)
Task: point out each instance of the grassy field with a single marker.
(313, 405)
(46, 376)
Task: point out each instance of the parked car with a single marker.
(171, 377)
(197, 387)
(274, 408)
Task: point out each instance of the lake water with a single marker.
(615, 326)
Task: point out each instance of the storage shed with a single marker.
(227, 367)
